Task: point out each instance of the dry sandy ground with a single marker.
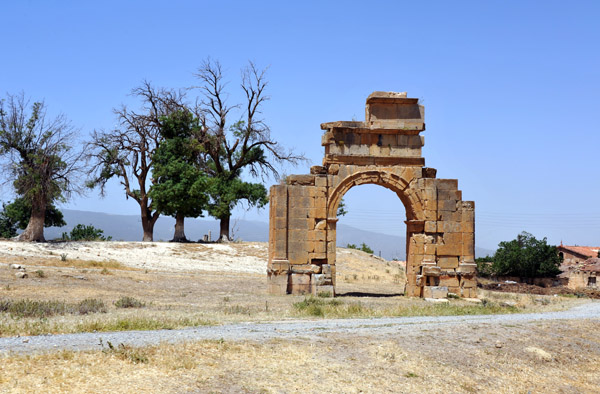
(247, 257)
(543, 357)
(354, 266)
(226, 284)
(182, 288)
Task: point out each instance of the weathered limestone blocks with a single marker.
(435, 292)
(384, 150)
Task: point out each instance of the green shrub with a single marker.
(85, 233)
(129, 302)
(484, 266)
(91, 305)
(43, 309)
(364, 247)
(31, 308)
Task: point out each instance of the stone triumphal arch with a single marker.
(384, 150)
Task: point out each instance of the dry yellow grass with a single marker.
(179, 299)
(451, 359)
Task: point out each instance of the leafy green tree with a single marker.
(127, 152)
(226, 192)
(180, 185)
(484, 265)
(85, 233)
(245, 145)
(8, 228)
(19, 212)
(526, 257)
(39, 158)
(341, 211)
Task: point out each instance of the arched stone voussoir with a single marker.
(392, 180)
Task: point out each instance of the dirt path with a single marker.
(281, 330)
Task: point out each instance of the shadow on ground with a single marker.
(365, 294)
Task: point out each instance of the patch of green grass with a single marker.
(451, 309)
(321, 307)
(568, 295)
(336, 308)
(129, 302)
(141, 324)
(40, 274)
(41, 326)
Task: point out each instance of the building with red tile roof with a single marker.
(577, 254)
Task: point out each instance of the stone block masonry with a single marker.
(384, 150)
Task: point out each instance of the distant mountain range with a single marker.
(129, 228)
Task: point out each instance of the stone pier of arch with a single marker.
(384, 150)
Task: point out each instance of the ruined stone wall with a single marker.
(580, 279)
(384, 150)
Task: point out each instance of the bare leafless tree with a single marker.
(127, 152)
(39, 155)
(245, 144)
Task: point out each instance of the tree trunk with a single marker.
(34, 232)
(147, 225)
(224, 234)
(179, 235)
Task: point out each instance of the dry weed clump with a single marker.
(129, 302)
(126, 352)
(43, 309)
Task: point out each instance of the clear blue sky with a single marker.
(511, 88)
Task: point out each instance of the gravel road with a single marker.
(278, 329)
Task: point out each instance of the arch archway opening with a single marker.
(371, 242)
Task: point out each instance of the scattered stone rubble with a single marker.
(20, 274)
(384, 150)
